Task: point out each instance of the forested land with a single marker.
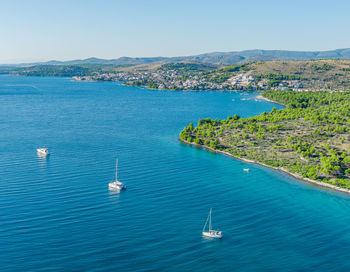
(309, 137)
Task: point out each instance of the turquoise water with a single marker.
(57, 214)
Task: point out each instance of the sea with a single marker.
(57, 214)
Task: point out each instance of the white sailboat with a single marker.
(211, 233)
(116, 185)
(43, 152)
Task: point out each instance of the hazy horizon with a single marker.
(65, 30)
(24, 61)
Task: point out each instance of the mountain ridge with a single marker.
(232, 57)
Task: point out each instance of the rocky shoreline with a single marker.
(311, 181)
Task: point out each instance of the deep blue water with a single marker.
(57, 214)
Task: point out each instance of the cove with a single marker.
(57, 214)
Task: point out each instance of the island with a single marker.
(308, 139)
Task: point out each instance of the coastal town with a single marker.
(176, 79)
(308, 75)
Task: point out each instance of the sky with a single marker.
(40, 30)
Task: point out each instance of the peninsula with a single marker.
(308, 139)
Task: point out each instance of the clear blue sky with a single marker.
(42, 30)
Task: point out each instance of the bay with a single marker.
(56, 214)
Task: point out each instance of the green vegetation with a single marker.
(8, 69)
(187, 67)
(148, 83)
(64, 70)
(323, 67)
(310, 137)
(236, 68)
(278, 77)
(55, 70)
(152, 85)
(313, 74)
(221, 75)
(275, 80)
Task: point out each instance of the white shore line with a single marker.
(260, 97)
(297, 176)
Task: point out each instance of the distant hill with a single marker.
(213, 58)
(266, 55)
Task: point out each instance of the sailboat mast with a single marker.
(206, 222)
(210, 220)
(116, 170)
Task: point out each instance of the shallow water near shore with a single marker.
(56, 214)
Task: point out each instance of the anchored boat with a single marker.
(116, 185)
(211, 233)
(43, 151)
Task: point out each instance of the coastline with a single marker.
(311, 181)
(260, 97)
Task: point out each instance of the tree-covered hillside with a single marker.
(309, 137)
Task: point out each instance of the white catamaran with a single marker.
(116, 185)
(211, 233)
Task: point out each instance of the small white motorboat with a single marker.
(211, 233)
(246, 169)
(116, 185)
(43, 151)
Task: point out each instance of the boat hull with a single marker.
(212, 234)
(116, 186)
(43, 152)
